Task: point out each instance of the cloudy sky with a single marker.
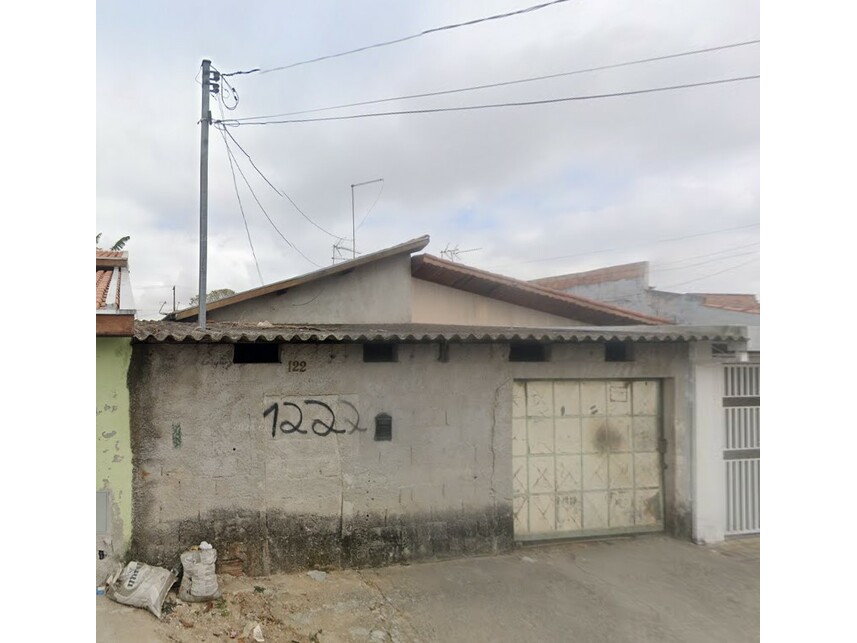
(669, 177)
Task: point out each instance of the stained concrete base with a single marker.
(645, 588)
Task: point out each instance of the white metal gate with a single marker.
(586, 458)
(741, 407)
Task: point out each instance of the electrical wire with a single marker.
(240, 205)
(404, 39)
(709, 254)
(265, 212)
(374, 203)
(639, 245)
(720, 272)
(279, 192)
(504, 83)
(706, 262)
(235, 123)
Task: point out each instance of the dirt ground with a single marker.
(648, 588)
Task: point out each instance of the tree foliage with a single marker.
(116, 246)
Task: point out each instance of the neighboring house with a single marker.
(732, 479)
(114, 327)
(395, 408)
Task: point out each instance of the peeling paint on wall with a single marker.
(177, 435)
(113, 445)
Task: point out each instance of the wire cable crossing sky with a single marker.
(466, 112)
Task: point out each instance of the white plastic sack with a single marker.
(199, 582)
(141, 585)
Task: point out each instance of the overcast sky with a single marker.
(669, 177)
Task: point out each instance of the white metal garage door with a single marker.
(585, 458)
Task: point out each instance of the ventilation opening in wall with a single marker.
(256, 353)
(618, 352)
(383, 427)
(529, 352)
(379, 352)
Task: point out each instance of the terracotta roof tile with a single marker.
(108, 254)
(102, 285)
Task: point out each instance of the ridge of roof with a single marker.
(522, 293)
(408, 247)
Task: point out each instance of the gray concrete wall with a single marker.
(208, 464)
(437, 304)
(376, 292)
(678, 307)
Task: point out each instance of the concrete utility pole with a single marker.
(205, 120)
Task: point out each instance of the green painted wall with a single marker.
(113, 432)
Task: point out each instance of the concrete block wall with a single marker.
(209, 464)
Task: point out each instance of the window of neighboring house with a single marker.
(618, 352)
(256, 353)
(379, 352)
(529, 352)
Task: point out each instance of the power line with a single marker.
(707, 261)
(639, 245)
(719, 272)
(404, 39)
(234, 123)
(504, 83)
(709, 254)
(238, 195)
(241, 207)
(265, 212)
(281, 193)
(372, 207)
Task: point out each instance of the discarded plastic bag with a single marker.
(141, 585)
(199, 582)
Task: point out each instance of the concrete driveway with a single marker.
(645, 588)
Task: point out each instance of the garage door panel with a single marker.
(543, 513)
(618, 398)
(585, 458)
(647, 507)
(539, 399)
(617, 436)
(519, 476)
(541, 475)
(592, 430)
(621, 472)
(647, 470)
(519, 436)
(595, 510)
(593, 398)
(569, 512)
(520, 507)
(646, 398)
(645, 430)
(621, 508)
(566, 400)
(567, 435)
(540, 436)
(569, 474)
(519, 400)
(595, 471)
